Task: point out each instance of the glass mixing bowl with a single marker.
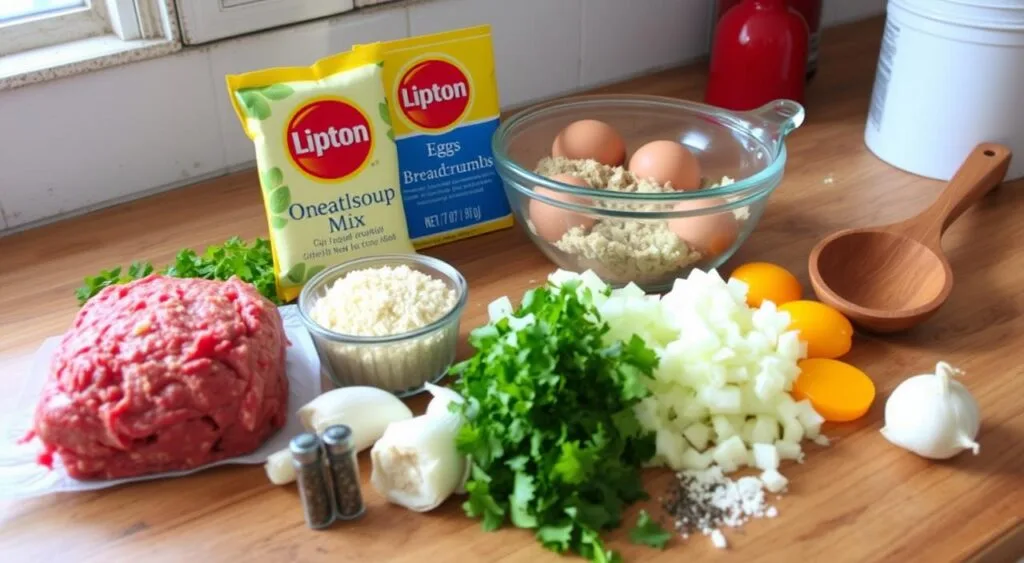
(647, 238)
(400, 363)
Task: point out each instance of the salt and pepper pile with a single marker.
(328, 476)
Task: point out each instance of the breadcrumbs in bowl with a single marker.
(620, 227)
(625, 250)
(390, 321)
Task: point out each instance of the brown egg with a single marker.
(710, 235)
(550, 222)
(590, 139)
(666, 162)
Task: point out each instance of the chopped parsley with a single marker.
(550, 430)
(251, 263)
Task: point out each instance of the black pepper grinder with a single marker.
(308, 459)
(344, 471)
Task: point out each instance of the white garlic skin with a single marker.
(933, 415)
(416, 463)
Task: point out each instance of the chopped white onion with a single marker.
(720, 392)
(774, 481)
(499, 309)
(789, 450)
(698, 434)
(766, 456)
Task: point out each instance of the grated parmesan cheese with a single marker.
(383, 301)
(388, 301)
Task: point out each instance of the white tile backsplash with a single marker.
(536, 42)
(115, 134)
(290, 47)
(77, 142)
(628, 38)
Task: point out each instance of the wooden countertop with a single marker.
(858, 500)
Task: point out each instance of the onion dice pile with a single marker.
(720, 393)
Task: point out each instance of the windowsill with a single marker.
(67, 59)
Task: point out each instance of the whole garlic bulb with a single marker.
(933, 415)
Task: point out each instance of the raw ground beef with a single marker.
(164, 374)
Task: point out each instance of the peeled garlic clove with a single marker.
(279, 467)
(367, 410)
(416, 463)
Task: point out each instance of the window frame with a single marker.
(47, 29)
(97, 18)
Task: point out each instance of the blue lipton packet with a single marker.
(444, 109)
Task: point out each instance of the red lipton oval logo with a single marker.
(329, 139)
(433, 94)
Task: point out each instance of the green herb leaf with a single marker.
(391, 134)
(271, 178)
(280, 199)
(648, 532)
(573, 465)
(297, 273)
(250, 263)
(139, 270)
(556, 537)
(255, 105)
(522, 493)
(278, 223)
(549, 424)
(385, 114)
(482, 505)
(277, 91)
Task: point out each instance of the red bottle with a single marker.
(759, 54)
(809, 9)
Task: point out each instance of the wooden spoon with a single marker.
(888, 279)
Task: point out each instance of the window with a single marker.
(207, 20)
(31, 24)
(40, 39)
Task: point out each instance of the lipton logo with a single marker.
(329, 139)
(434, 94)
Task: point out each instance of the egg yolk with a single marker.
(827, 332)
(838, 391)
(766, 281)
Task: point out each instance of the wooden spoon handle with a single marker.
(984, 168)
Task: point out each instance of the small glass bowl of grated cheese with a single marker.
(389, 321)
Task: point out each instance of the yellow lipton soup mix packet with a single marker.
(444, 107)
(327, 162)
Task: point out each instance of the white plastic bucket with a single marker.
(950, 75)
